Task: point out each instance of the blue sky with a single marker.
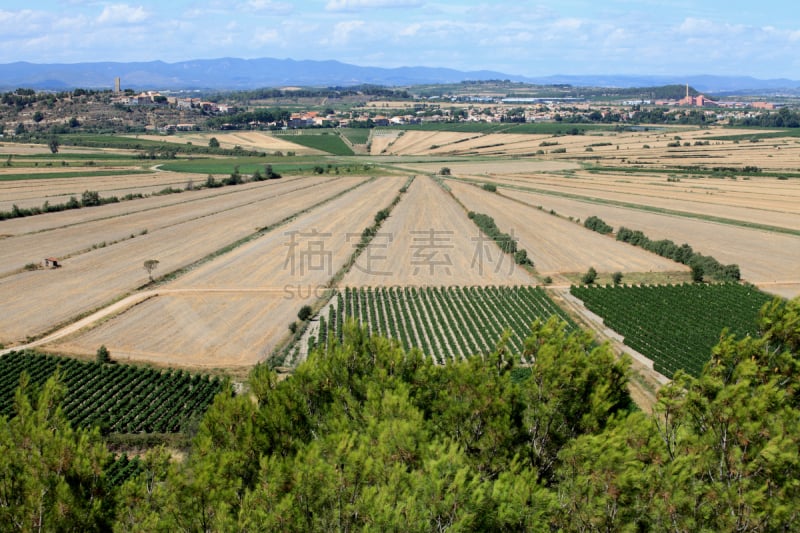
(533, 38)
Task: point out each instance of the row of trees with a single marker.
(367, 437)
(701, 265)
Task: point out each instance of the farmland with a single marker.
(227, 287)
(119, 398)
(429, 240)
(105, 272)
(326, 142)
(559, 246)
(444, 322)
(675, 325)
(248, 140)
(737, 234)
(233, 310)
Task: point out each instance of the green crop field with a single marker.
(675, 326)
(288, 165)
(118, 398)
(69, 174)
(327, 142)
(356, 135)
(444, 322)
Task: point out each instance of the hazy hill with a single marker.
(231, 73)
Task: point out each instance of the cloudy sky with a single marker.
(532, 38)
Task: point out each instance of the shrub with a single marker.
(597, 224)
(305, 313)
(491, 187)
(589, 277)
(103, 356)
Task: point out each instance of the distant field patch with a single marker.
(675, 326)
(51, 175)
(327, 142)
(356, 135)
(549, 128)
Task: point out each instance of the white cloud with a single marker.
(343, 31)
(24, 22)
(352, 5)
(266, 37)
(268, 6)
(123, 14)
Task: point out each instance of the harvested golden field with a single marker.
(761, 200)
(380, 140)
(34, 192)
(422, 142)
(106, 225)
(35, 301)
(14, 148)
(22, 226)
(556, 245)
(428, 240)
(248, 140)
(233, 310)
(493, 144)
(652, 149)
(770, 261)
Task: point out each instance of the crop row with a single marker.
(675, 326)
(118, 398)
(122, 468)
(444, 322)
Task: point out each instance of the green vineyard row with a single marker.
(675, 325)
(444, 322)
(117, 398)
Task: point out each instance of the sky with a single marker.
(526, 38)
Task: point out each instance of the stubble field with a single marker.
(35, 301)
(428, 240)
(559, 246)
(232, 311)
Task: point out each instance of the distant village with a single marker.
(451, 109)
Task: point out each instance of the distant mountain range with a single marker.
(240, 74)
